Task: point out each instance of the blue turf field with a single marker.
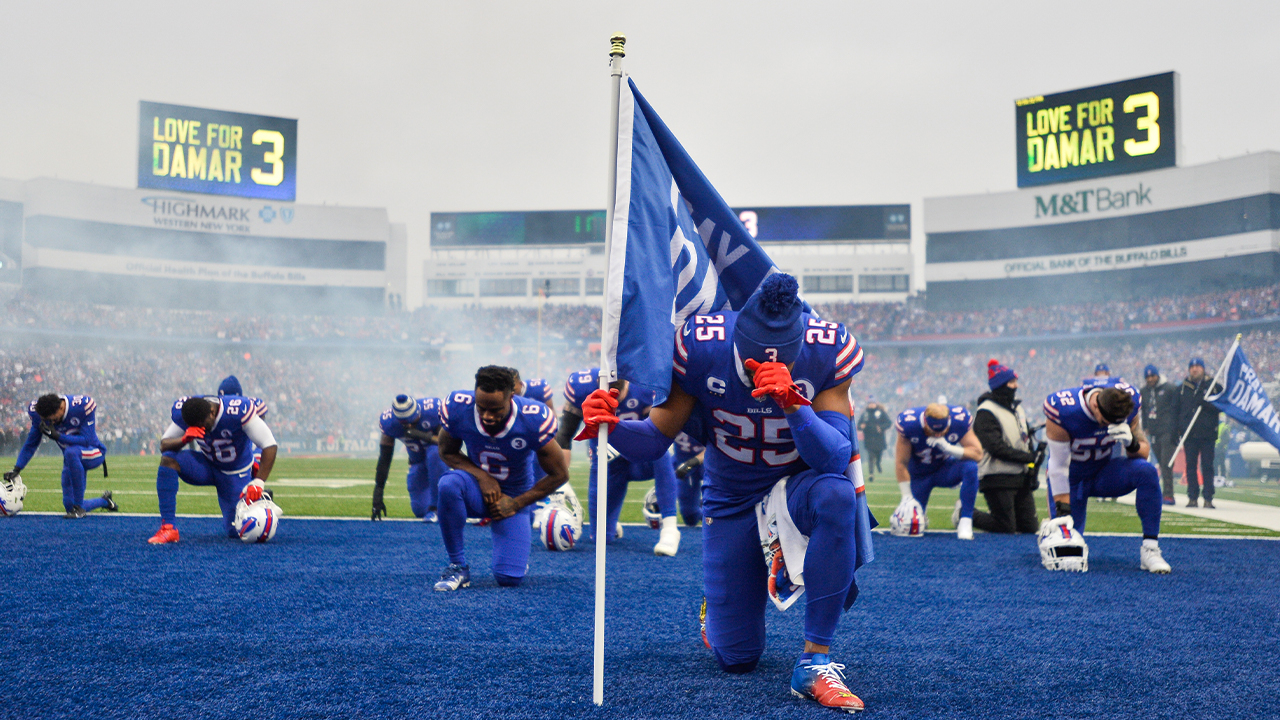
(335, 619)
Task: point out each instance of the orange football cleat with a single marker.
(166, 534)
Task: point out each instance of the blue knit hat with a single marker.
(1102, 367)
(405, 409)
(998, 375)
(230, 386)
(770, 321)
(1196, 361)
(1150, 370)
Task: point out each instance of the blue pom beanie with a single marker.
(405, 409)
(230, 386)
(1150, 370)
(770, 320)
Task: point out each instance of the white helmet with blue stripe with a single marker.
(12, 493)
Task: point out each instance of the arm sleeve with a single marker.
(640, 440)
(569, 424)
(28, 448)
(173, 432)
(823, 439)
(384, 465)
(991, 435)
(259, 433)
(1059, 467)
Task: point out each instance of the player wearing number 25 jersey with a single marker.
(1097, 449)
(225, 430)
(774, 383)
(493, 479)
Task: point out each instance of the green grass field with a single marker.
(342, 487)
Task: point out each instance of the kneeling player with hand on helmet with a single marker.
(1097, 449)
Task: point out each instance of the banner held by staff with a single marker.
(1241, 396)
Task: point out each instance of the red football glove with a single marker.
(195, 432)
(598, 408)
(774, 379)
(252, 492)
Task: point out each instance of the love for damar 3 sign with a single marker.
(216, 152)
(1123, 127)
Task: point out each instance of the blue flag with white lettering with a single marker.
(1242, 397)
(677, 248)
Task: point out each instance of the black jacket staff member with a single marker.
(1006, 474)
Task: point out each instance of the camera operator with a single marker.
(1007, 472)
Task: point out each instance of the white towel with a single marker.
(783, 545)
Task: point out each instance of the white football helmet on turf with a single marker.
(257, 522)
(650, 509)
(557, 527)
(12, 494)
(1062, 547)
(909, 520)
(564, 497)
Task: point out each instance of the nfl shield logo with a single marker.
(286, 214)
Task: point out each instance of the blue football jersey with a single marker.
(634, 406)
(505, 456)
(749, 446)
(926, 459)
(1091, 446)
(539, 389)
(428, 423)
(80, 419)
(226, 445)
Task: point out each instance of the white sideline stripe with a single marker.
(287, 516)
(1228, 511)
(878, 531)
(883, 530)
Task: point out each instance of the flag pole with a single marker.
(617, 50)
(1216, 379)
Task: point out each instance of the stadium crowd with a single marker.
(328, 398)
(574, 324)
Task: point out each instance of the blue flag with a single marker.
(677, 248)
(1240, 395)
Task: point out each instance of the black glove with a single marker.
(688, 466)
(379, 507)
(1061, 509)
(9, 476)
(49, 431)
(421, 436)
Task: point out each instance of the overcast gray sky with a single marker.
(502, 106)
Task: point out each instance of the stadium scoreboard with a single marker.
(1122, 127)
(217, 152)
(827, 223)
(549, 227)
(575, 227)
